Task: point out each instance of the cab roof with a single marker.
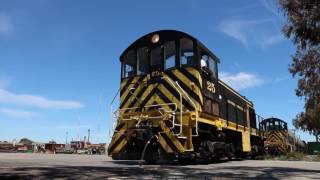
(274, 119)
(165, 35)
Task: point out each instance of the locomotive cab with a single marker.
(165, 50)
(273, 124)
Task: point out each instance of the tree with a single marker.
(303, 28)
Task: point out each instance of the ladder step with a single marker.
(181, 137)
(188, 150)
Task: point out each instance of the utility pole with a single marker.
(67, 137)
(88, 135)
(294, 138)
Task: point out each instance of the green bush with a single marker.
(317, 158)
(282, 158)
(294, 156)
(268, 157)
(297, 156)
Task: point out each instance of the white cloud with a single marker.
(250, 31)
(5, 24)
(14, 113)
(241, 80)
(36, 101)
(233, 28)
(272, 40)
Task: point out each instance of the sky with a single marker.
(60, 69)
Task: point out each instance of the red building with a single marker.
(54, 148)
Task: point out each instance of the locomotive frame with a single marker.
(174, 106)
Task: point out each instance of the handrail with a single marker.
(111, 123)
(155, 105)
(173, 85)
(194, 105)
(180, 91)
(261, 128)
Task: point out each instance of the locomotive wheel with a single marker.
(117, 157)
(186, 161)
(152, 157)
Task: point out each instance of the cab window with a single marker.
(209, 63)
(129, 64)
(212, 66)
(187, 53)
(143, 60)
(277, 125)
(170, 55)
(156, 56)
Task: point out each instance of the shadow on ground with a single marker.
(154, 172)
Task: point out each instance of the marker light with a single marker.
(155, 38)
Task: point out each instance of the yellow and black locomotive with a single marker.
(174, 106)
(278, 138)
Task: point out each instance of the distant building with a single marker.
(96, 148)
(77, 144)
(6, 146)
(54, 148)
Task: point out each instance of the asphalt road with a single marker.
(51, 166)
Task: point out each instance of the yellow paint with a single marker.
(135, 79)
(120, 146)
(184, 79)
(172, 137)
(132, 97)
(246, 144)
(164, 144)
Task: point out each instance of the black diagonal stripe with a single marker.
(115, 144)
(119, 126)
(278, 135)
(272, 137)
(126, 85)
(129, 94)
(144, 102)
(169, 142)
(176, 94)
(168, 123)
(284, 134)
(165, 99)
(184, 87)
(138, 97)
(190, 77)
